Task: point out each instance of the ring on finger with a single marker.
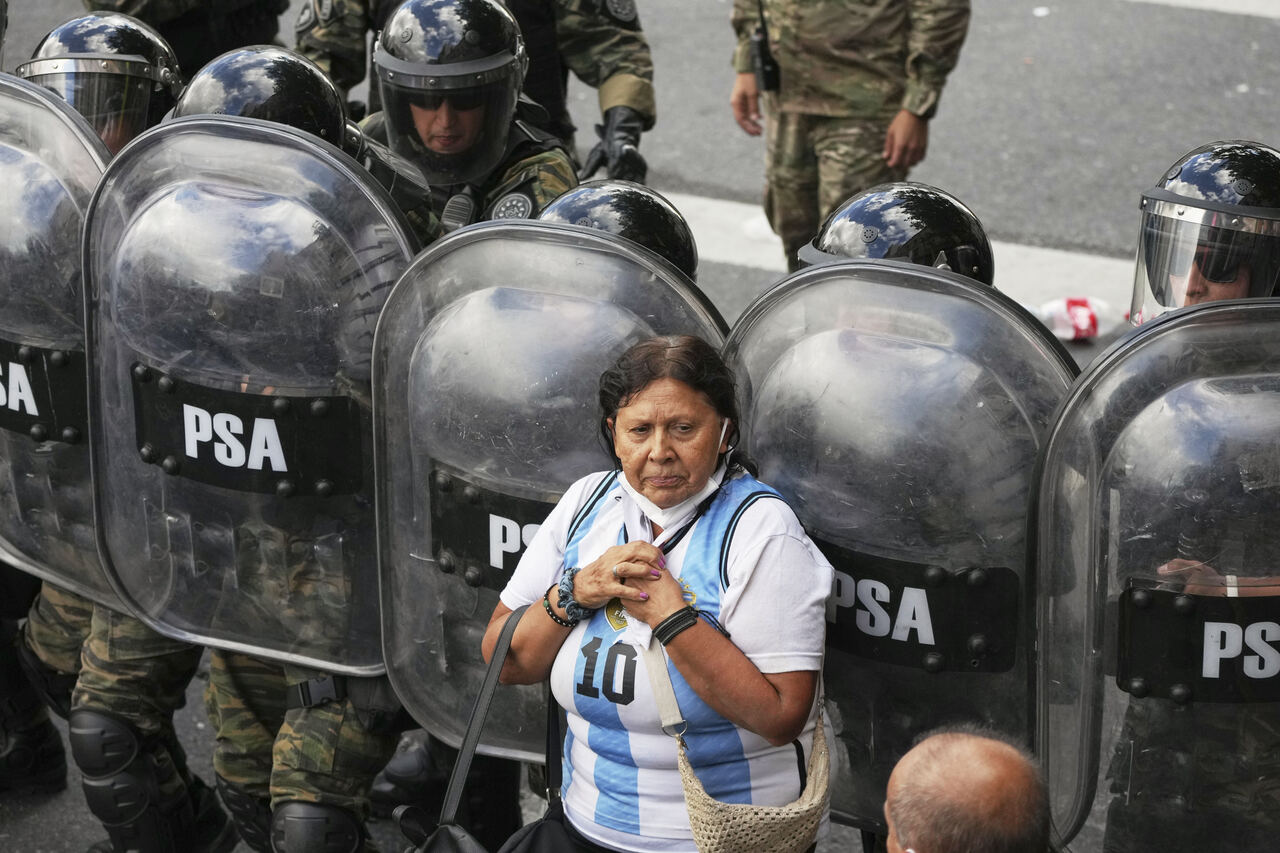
(616, 566)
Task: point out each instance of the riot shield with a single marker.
(1158, 547)
(487, 362)
(899, 409)
(235, 270)
(50, 162)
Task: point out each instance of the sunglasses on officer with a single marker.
(1218, 260)
(463, 101)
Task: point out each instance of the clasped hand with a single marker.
(635, 573)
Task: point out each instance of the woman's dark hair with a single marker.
(686, 359)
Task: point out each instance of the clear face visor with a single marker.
(1189, 256)
(454, 134)
(118, 107)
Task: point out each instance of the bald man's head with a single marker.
(967, 791)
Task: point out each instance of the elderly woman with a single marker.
(682, 544)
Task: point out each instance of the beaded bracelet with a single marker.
(681, 620)
(546, 605)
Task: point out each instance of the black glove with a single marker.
(618, 148)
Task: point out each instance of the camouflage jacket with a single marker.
(865, 58)
(160, 11)
(599, 40)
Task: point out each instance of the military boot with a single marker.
(32, 758)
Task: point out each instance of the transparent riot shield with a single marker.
(899, 410)
(1159, 552)
(487, 363)
(235, 271)
(50, 162)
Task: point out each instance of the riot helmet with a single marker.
(116, 71)
(1210, 230)
(269, 83)
(633, 211)
(905, 221)
(450, 72)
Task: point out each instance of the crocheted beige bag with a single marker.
(735, 827)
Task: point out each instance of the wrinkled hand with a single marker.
(906, 141)
(745, 102)
(1198, 578)
(619, 147)
(665, 596)
(595, 585)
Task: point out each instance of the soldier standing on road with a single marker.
(599, 40)
(849, 89)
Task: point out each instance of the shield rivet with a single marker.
(319, 408)
(284, 488)
(935, 576)
(443, 481)
(1184, 605)
(142, 373)
(166, 385)
(446, 563)
(324, 488)
(474, 575)
(978, 644)
(1180, 693)
(934, 662)
(148, 453)
(1141, 598)
(1138, 687)
(39, 432)
(171, 465)
(471, 495)
(977, 578)
(24, 354)
(58, 358)
(280, 405)
(70, 435)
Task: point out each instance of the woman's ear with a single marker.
(608, 424)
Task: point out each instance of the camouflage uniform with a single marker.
(199, 30)
(57, 626)
(601, 42)
(847, 68)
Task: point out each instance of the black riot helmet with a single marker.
(114, 70)
(269, 83)
(449, 72)
(905, 221)
(632, 211)
(1210, 230)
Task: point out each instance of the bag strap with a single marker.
(664, 694)
(479, 711)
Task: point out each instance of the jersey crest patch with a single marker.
(515, 205)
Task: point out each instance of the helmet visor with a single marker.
(1187, 257)
(118, 107)
(456, 135)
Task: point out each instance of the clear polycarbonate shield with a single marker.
(899, 410)
(235, 270)
(487, 362)
(1158, 547)
(50, 162)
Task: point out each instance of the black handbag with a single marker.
(546, 835)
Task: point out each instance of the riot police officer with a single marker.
(905, 221)
(602, 44)
(450, 73)
(121, 76)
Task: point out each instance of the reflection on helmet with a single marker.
(909, 222)
(1210, 230)
(632, 211)
(116, 71)
(268, 83)
(450, 72)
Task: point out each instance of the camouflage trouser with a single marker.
(57, 626)
(323, 754)
(812, 164)
(130, 671)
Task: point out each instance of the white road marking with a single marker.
(1257, 8)
(730, 232)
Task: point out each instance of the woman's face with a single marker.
(668, 439)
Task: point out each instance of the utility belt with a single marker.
(375, 703)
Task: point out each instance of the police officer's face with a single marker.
(451, 126)
(1200, 289)
(668, 438)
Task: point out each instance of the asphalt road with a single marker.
(1058, 116)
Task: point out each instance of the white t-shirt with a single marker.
(768, 589)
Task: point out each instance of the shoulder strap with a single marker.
(479, 711)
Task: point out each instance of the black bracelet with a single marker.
(681, 620)
(546, 605)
